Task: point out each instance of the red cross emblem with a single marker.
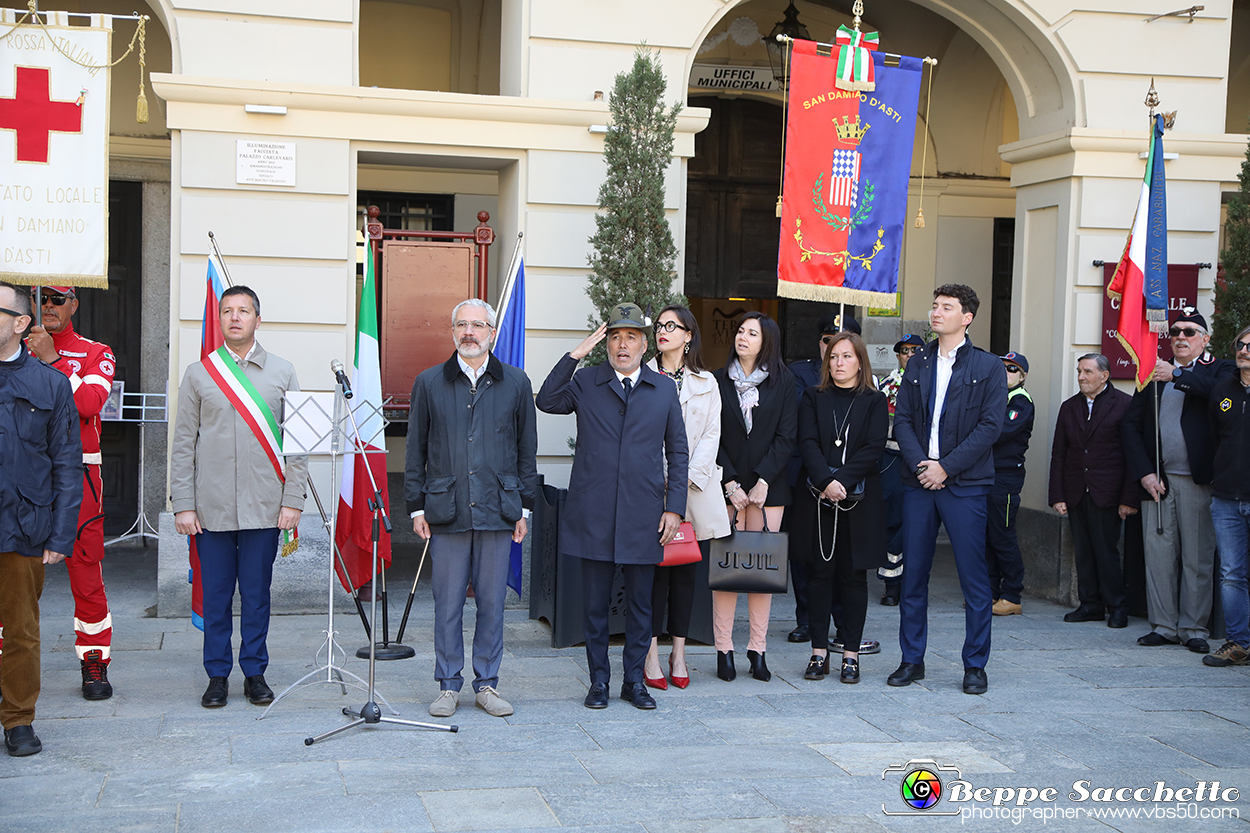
(34, 115)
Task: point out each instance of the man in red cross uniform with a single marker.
(90, 367)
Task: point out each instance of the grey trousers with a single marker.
(1180, 563)
(455, 559)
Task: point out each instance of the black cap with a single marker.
(1189, 315)
(834, 323)
(910, 338)
(1016, 359)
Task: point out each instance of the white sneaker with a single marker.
(445, 705)
(489, 701)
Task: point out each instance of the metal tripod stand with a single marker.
(369, 714)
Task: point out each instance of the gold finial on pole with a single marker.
(1152, 99)
(858, 11)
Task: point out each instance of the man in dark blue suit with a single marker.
(947, 417)
(623, 506)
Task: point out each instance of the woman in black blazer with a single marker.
(843, 425)
(758, 429)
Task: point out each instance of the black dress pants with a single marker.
(836, 582)
(673, 587)
(1096, 546)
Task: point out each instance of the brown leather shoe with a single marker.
(1002, 607)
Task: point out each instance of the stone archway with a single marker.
(1022, 46)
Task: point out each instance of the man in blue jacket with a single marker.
(947, 417)
(40, 494)
(627, 490)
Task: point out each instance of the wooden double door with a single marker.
(732, 183)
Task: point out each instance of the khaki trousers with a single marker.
(21, 585)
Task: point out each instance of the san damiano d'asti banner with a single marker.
(844, 194)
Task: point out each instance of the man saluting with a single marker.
(623, 503)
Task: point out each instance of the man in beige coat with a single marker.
(233, 490)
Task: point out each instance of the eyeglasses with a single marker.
(13, 312)
(1241, 345)
(54, 300)
(477, 326)
(907, 351)
(1011, 368)
(668, 327)
(1187, 332)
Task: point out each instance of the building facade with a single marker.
(1031, 130)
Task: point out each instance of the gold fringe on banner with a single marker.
(836, 295)
(83, 281)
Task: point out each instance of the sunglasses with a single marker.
(1241, 345)
(54, 300)
(907, 351)
(668, 327)
(1187, 332)
(12, 312)
(1011, 368)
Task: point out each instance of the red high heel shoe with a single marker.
(661, 683)
(680, 682)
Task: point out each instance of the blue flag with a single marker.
(510, 349)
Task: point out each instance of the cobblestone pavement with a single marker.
(1070, 707)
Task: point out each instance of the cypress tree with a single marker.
(634, 256)
(1232, 295)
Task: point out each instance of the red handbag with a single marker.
(683, 549)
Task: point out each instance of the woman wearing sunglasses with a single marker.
(843, 425)
(679, 357)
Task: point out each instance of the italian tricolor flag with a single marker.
(353, 530)
(1140, 281)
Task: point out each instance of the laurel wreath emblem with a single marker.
(840, 223)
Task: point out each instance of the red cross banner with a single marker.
(54, 127)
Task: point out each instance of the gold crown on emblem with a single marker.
(850, 131)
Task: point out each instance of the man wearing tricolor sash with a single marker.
(234, 491)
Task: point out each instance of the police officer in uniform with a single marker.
(1002, 549)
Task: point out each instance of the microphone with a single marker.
(337, 367)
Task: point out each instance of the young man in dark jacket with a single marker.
(1229, 408)
(40, 494)
(947, 417)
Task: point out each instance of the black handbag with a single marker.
(750, 562)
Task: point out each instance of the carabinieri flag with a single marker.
(848, 163)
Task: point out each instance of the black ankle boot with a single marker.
(725, 665)
(759, 668)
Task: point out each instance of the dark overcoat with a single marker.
(617, 490)
(868, 425)
(764, 452)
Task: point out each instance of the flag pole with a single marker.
(505, 294)
(1152, 101)
(212, 241)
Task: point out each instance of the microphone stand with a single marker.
(369, 714)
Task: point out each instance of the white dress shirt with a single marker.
(945, 367)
